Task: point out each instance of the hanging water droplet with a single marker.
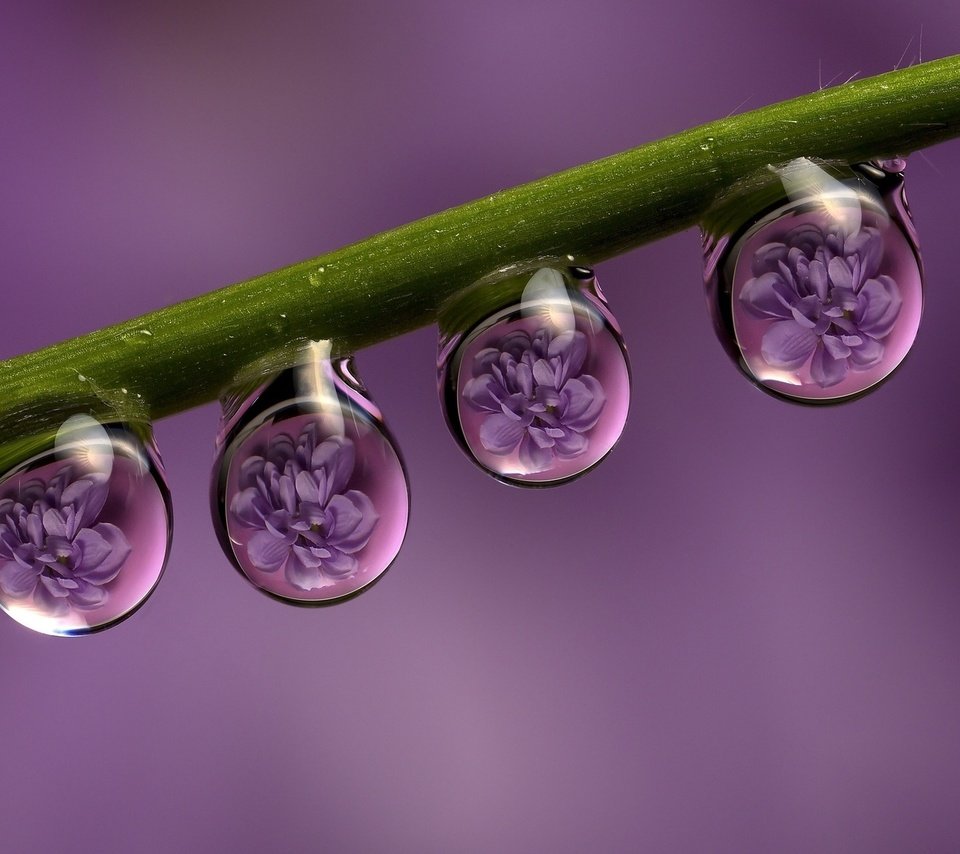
(309, 494)
(814, 277)
(85, 528)
(533, 375)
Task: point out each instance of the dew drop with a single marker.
(814, 278)
(533, 376)
(84, 528)
(309, 495)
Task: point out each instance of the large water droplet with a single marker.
(85, 528)
(309, 495)
(814, 278)
(533, 375)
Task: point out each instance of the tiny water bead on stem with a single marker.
(309, 495)
(85, 526)
(814, 277)
(533, 375)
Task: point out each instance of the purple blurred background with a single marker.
(739, 634)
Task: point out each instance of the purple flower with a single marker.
(820, 286)
(53, 549)
(308, 523)
(536, 396)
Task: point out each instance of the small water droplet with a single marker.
(338, 502)
(814, 279)
(93, 510)
(533, 376)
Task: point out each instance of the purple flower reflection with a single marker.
(53, 549)
(536, 396)
(308, 523)
(820, 286)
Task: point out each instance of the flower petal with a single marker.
(88, 495)
(340, 565)
(54, 523)
(819, 279)
(87, 596)
(311, 557)
(249, 508)
(787, 345)
(103, 551)
(524, 379)
(500, 434)
(288, 493)
(337, 456)
(835, 347)
(307, 487)
(571, 347)
(301, 576)
(583, 399)
(571, 444)
(768, 256)
(866, 354)
(878, 306)
(17, 580)
(806, 312)
(53, 587)
(344, 515)
(267, 552)
(352, 526)
(540, 437)
(767, 296)
(250, 470)
(34, 526)
(484, 392)
(840, 274)
(544, 374)
(515, 407)
(867, 245)
(825, 370)
(533, 457)
(49, 603)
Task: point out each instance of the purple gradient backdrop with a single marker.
(739, 634)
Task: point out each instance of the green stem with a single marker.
(185, 355)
